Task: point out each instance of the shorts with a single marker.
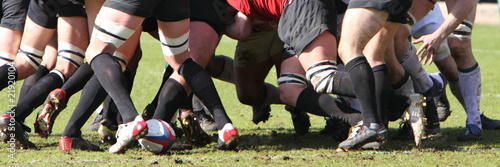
(428, 24)
(13, 14)
(396, 8)
(209, 11)
(163, 10)
(303, 20)
(259, 46)
(45, 13)
(149, 24)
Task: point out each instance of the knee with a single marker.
(249, 97)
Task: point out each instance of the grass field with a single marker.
(273, 142)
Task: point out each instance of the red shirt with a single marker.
(265, 10)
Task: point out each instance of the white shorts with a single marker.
(427, 25)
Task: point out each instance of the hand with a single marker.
(430, 44)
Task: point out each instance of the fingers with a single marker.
(421, 49)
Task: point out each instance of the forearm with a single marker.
(456, 15)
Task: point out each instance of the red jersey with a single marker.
(265, 10)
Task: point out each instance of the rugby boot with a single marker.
(228, 138)
(194, 134)
(107, 132)
(14, 132)
(416, 113)
(363, 136)
(329, 126)
(96, 122)
(489, 123)
(148, 111)
(4, 138)
(127, 132)
(53, 105)
(66, 144)
(441, 100)
(338, 129)
(207, 123)
(432, 127)
(261, 113)
(179, 146)
(471, 133)
(300, 119)
(404, 132)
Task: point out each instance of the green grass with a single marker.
(273, 142)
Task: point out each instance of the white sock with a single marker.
(470, 84)
(407, 89)
(455, 89)
(421, 80)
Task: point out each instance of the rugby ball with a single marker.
(160, 137)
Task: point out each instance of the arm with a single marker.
(431, 42)
(241, 28)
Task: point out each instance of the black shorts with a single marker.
(396, 8)
(150, 24)
(163, 10)
(45, 13)
(303, 20)
(13, 14)
(209, 11)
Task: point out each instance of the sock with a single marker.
(78, 80)
(188, 103)
(203, 87)
(455, 89)
(342, 84)
(404, 86)
(36, 96)
(326, 106)
(171, 97)
(8, 75)
(31, 80)
(470, 86)
(382, 88)
(166, 74)
(113, 81)
(421, 80)
(110, 111)
(363, 83)
(271, 95)
(197, 104)
(227, 72)
(92, 96)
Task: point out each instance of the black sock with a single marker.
(363, 83)
(166, 74)
(170, 99)
(78, 80)
(110, 111)
(36, 96)
(113, 81)
(326, 106)
(92, 96)
(107, 113)
(342, 84)
(31, 80)
(203, 87)
(8, 75)
(188, 104)
(382, 88)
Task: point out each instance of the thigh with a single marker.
(203, 40)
